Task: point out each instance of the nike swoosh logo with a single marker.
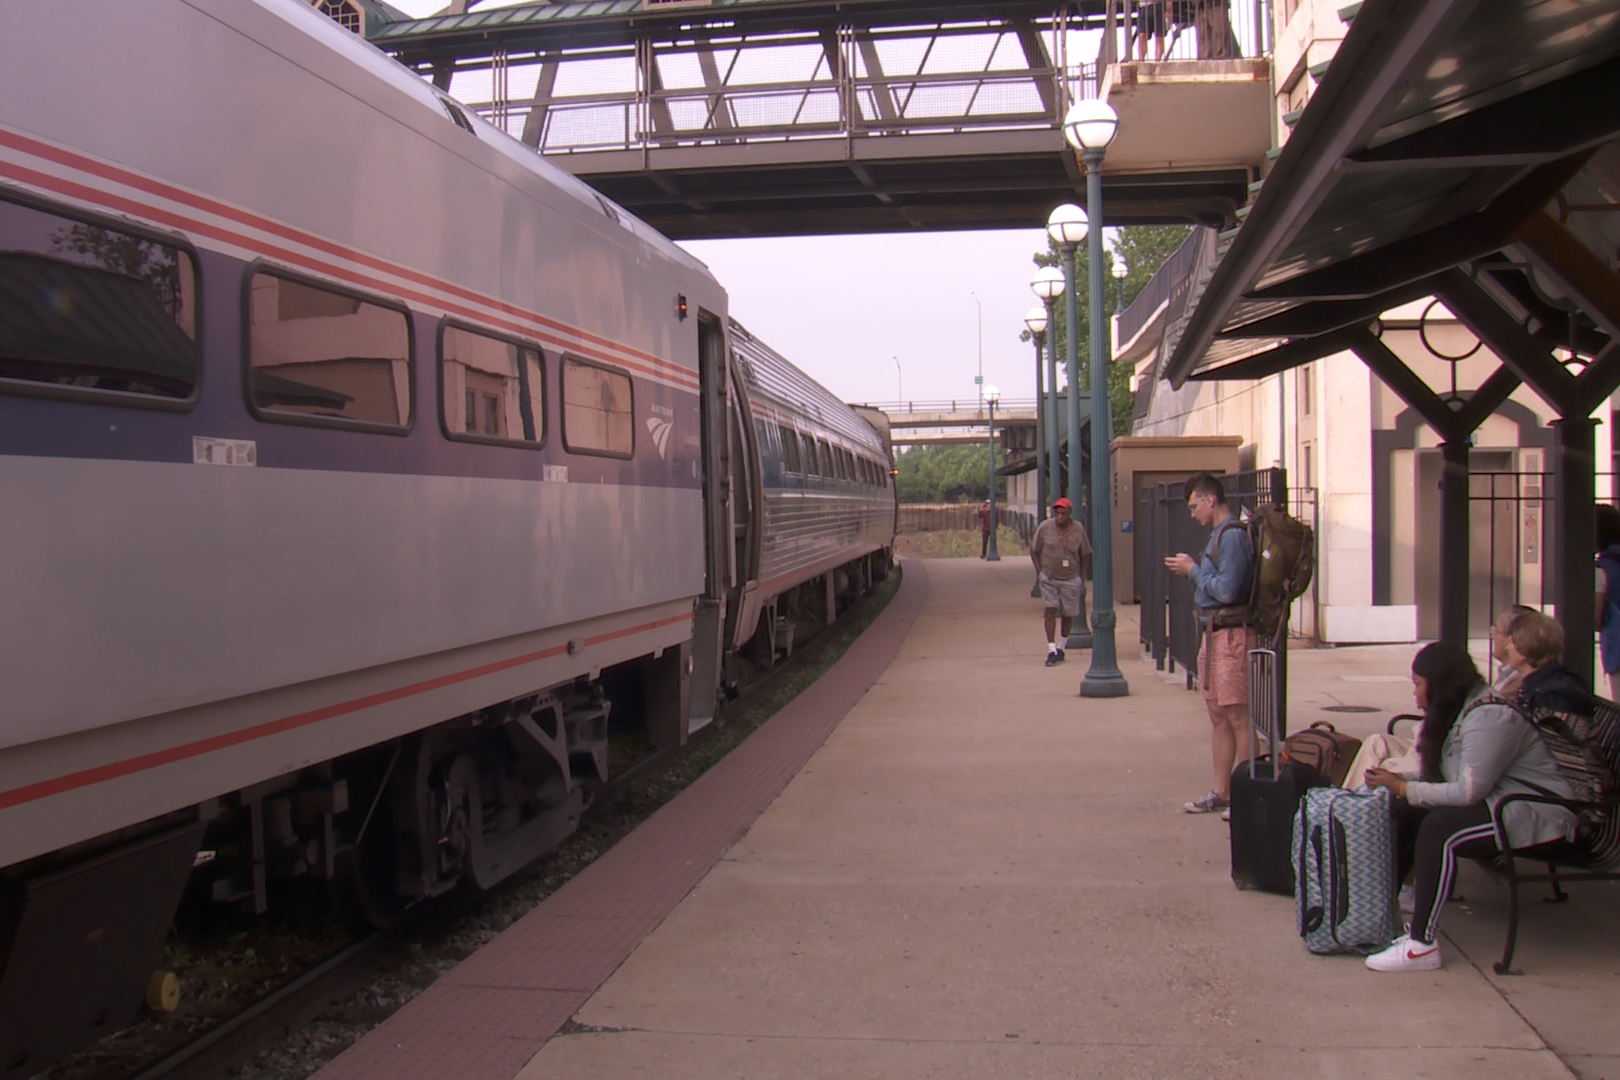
(1410, 955)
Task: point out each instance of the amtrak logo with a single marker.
(659, 428)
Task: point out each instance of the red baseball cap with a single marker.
(1063, 502)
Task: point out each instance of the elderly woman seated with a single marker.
(1474, 751)
(1534, 647)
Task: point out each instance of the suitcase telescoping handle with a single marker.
(1263, 711)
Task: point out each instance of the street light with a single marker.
(899, 382)
(991, 395)
(1035, 319)
(1048, 285)
(980, 380)
(1119, 271)
(1067, 227)
(1089, 127)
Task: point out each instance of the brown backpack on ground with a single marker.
(1322, 748)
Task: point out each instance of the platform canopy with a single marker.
(1463, 149)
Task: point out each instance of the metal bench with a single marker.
(1594, 856)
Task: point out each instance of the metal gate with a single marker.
(1169, 622)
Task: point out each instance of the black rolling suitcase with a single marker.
(1266, 794)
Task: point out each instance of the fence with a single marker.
(1156, 30)
(715, 85)
(1170, 630)
(941, 517)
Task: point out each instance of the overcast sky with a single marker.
(845, 308)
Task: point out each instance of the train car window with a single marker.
(598, 407)
(91, 310)
(849, 465)
(458, 117)
(492, 388)
(791, 461)
(828, 468)
(320, 355)
(812, 457)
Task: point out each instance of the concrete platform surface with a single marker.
(980, 875)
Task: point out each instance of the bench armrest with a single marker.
(1398, 718)
(1572, 805)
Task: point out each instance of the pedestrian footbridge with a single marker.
(721, 118)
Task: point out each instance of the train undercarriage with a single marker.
(463, 804)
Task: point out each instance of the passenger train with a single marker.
(363, 475)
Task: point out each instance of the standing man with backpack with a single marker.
(1221, 579)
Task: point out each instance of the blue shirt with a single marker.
(1227, 584)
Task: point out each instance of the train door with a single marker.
(746, 497)
(709, 615)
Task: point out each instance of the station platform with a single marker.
(940, 861)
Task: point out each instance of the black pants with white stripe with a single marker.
(1431, 841)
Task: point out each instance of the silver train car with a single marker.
(364, 477)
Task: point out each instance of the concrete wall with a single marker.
(1138, 462)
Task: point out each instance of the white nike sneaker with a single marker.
(1407, 955)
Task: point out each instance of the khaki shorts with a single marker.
(1223, 664)
(1067, 597)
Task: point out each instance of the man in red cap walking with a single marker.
(1061, 552)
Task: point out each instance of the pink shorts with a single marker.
(1223, 674)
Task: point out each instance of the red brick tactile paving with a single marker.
(489, 1016)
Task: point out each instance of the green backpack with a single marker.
(1284, 563)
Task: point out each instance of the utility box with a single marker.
(1137, 463)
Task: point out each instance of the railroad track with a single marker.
(273, 1017)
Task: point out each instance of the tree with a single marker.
(946, 474)
(1144, 249)
(157, 265)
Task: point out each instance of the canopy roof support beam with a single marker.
(1574, 467)
(1327, 315)
(1454, 426)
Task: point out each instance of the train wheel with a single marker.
(364, 888)
(365, 885)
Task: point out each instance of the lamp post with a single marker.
(1089, 127)
(980, 380)
(899, 382)
(1067, 227)
(991, 394)
(1119, 270)
(1048, 285)
(1035, 319)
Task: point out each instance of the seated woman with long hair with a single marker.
(1474, 751)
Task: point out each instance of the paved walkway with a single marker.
(982, 875)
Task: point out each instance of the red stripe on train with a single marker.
(101, 773)
(225, 210)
